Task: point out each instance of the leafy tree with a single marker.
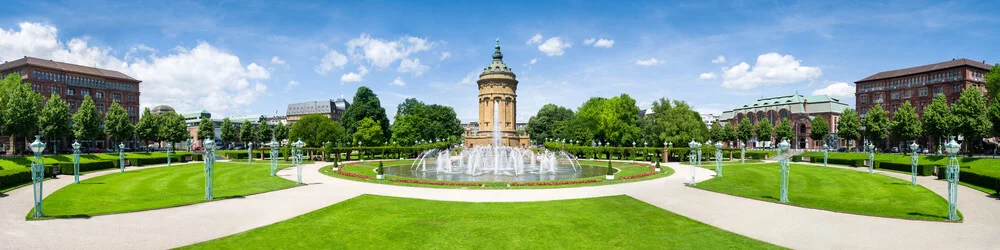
(677, 123)
(938, 119)
(116, 124)
(206, 129)
(86, 120)
(314, 129)
(149, 126)
(717, 132)
(744, 130)
(54, 121)
(20, 109)
(229, 132)
(820, 129)
(905, 123)
(368, 132)
(994, 117)
(246, 132)
(543, 124)
(971, 120)
(731, 134)
(784, 130)
(619, 119)
(264, 131)
(366, 105)
(583, 125)
(876, 124)
(172, 127)
(764, 131)
(992, 79)
(417, 121)
(280, 132)
(849, 127)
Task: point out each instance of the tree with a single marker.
(172, 127)
(264, 131)
(366, 105)
(937, 118)
(116, 124)
(784, 130)
(905, 123)
(206, 129)
(20, 110)
(876, 124)
(764, 130)
(314, 129)
(228, 131)
(971, 119)
(149, 126)
(280, 132)
(677, 122)
(246, 132)
(54, 122)
(717, 132)
(849, 127)
(992, 79)
(368, 132)
(618, 121)
(583, 125)
(994, 117)
(86, 120)
(731, 134)
(744, 130)
(820, 129)
(543, 124)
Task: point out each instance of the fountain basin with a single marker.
(562, 172)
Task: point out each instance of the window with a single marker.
(938, 90)
(907, 93)
(72, 106)
(131, 98)
(100, 107)
(37, 88)
(99, 94)
(84, 92)
(957, 88)
(878, 98)
(923, 92)
(53, 89)
(894, 95)
(69, 91)
(864, 98)
(117, 97)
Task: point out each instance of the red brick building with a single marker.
(73, 82)
(919, 85)
(798, 109)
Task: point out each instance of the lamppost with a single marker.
(361, 154)
(76, 162)
(913, 162)
(121, 157)
(826, 151)
(743, 150)
(871, 157)
(718, 159)
(250, 153)
(694, 146)
(784, 167)
(170, 152)
(298, 158)
(633, 152)
(952, 173)
(37, 174)
(274, 156)
(209, 165)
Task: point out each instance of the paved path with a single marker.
(794, 227)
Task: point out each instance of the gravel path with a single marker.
(794, 227)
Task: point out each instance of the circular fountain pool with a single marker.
(495, 164)
(563, 172)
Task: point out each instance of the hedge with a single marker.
(968, 175)
(922, 170)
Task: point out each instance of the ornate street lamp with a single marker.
(298, 157)
(784, 167)
(718, 159)
(170, 152)
(274, 156)
(826, 152)
(743, 150)
(121, 156)
(76, 162)
(913, 162)
(952, 174)
(209, 166)
(250, 153)
(37, 174)
(871, 157)
(694, 146)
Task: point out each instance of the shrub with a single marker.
(550, 183)
(611, 170)
(922, 169)
(14, 177)
(380, 170)
(639, 175)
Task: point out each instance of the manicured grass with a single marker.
(986, 170)
(159, 188)
(23, 162)
(832, 189)
(380, 222)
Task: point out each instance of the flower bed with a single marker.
(549, 183)
(443, 183)
(638, 175)
(354, 175)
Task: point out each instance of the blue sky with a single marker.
(255, 57)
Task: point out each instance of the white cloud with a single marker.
(354, 76)
(398, 82)
(770, 69)
(537, 38)
(720, 59)
(837, 89)
(533, 61)
(332, 59)
(589, 41)
(201, 77)
(470, 78)
(277, 61)
(554, 46)
(412, 65)
(604, 43)
(445, 55)
(707, 76)
(291, 84)
(648, 62)
(381, 53)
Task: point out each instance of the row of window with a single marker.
(83, 92)
(906, 94)
(915, 81)
(19, 72)
(84, 81)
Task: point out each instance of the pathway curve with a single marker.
(794, 227)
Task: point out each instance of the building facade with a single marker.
(799, 110)
(73, 82)
(497, 105)
(332, 109)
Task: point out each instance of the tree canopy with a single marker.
(228, 131)
(116, 123)
(876, 124)
(676, 122)
(905, 123)
(744, 130)
(849, 127)
(86, 120)
(54, 122)
(20, 108)
(992, 79)
(764, 131)
(206, 129)
(937, 118)
(148, 128)
(368, 133)
(784, 130)
(971, 119)
(366, 105)
(172, 127)
(543, 125)
(246, 132)
(415, 121)
(264, 130)
(315, 129)
(820, 129)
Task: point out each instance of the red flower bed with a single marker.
(443, 183)
(354, 175)
(549, 183)
(639, 175)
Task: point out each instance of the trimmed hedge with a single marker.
(14, 177)
(922, 170)
(968, 176)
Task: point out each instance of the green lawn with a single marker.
(380, 222)
(159, 188)
(832, 189)
(25, 161)
(987, 168)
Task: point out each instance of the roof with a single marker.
(497, 66)
(927, 68)
(798, 104)
(66, 67)
(317, 107)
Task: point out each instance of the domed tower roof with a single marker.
(497, 66)
(161, 109)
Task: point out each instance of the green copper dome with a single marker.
(497, 66)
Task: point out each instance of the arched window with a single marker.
(802, 128)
